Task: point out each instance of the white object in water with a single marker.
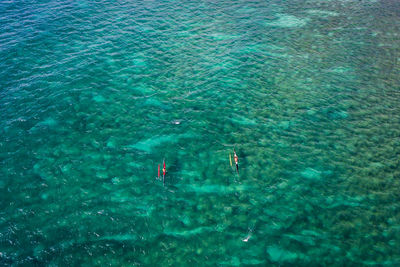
(246, 238)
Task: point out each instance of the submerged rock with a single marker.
(99, 99)
(147, 145)
(311, 174)
(188, 233)
(288, 21)
(216, 189)
(340, 114)
(322, 13)
(243, 121)
(278, 254)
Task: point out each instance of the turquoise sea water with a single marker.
(95, 94)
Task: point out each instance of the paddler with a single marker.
(236, 158)
(164, 171)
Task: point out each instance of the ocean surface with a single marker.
(94, 95)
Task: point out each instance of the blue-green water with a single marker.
(94, 94)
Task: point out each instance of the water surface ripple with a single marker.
(95, 94)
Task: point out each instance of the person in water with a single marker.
(164, 171)
(236, 158)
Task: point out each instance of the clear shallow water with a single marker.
(94, 95)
